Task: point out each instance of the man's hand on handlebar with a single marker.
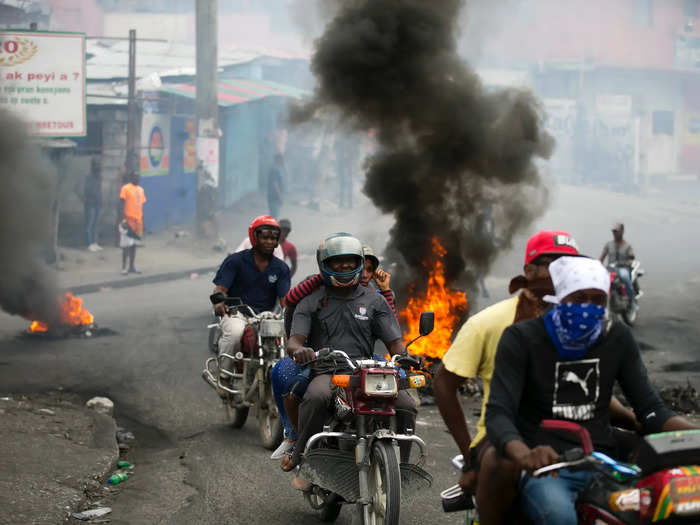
(220, 309)
(538, 457)
(304, 354)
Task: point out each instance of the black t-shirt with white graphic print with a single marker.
(531, 382)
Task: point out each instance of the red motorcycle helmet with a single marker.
(259, 222)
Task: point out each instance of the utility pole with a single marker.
(207, 115)
(132, 126)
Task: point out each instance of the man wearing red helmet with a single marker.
(255, 276)
(473, 351)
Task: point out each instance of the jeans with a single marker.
(624, 275)
(274, 205)
(288, 377)
(552, 500)
(91, 214)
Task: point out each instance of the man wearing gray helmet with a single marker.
(344, 316)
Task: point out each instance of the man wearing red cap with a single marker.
(473, 351)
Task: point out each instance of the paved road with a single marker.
(190, 466)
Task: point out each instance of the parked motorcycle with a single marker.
(356, 459)
(622, 305)
(662, 487)
(248, 371)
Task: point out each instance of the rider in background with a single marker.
(620, 254)
(255, 276)
(563, 365)
(288, 249)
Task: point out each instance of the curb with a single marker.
(138, 281)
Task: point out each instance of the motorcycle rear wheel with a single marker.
(237, 415)
(384, 485)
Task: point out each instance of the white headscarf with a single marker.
(571, 274)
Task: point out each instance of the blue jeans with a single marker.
(624, 275)
(91, 214)
(274, 206)
(288, 377)
(552, 500)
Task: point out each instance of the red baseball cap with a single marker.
(550, 242)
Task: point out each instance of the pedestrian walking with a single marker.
(92, 200)
(274, 186)
(131, 201)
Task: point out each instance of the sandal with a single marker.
(288, 462)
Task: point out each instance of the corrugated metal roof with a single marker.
(110, 59)
(233, 91)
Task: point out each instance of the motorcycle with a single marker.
(356, 459)
(622, 305)
(663, 485)
(248, 371)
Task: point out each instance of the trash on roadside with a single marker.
(103, 405)
(92, 513)
(181, 233)
(124, 464)
(117, 477)
(47, 411)
(124, 436)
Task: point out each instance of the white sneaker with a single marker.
(284, 447)
(93, 247)
(124, 271)
(98, 248)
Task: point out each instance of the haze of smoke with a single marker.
(28, 285)
(450, 153)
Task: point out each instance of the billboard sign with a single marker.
(42, 81)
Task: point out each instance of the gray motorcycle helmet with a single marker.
(369, 254)
(336, 245)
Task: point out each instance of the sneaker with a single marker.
(124, 271)
(285, 446)
(98, 248)
(93, 247)
(134, 270)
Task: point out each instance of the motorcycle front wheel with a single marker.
(270, 423)
(384, 483)
(325, 502)
(237, 415)
(630, 315)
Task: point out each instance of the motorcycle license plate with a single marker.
(684, 496)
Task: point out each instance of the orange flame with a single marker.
(448, 305)
(72, 314)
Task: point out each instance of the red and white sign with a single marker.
(42, 81)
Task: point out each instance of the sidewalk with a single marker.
(163, 257)
(55, 453)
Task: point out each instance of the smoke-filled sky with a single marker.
(28, 285)
(451, 155)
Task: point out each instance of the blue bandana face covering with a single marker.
(574, 328)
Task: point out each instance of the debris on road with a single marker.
(124, 436)
(92, 513)
(681, 398)
(103, 405)
(47, 411)
(124, 464)
(117, 478)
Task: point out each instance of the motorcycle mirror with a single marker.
(426, 324)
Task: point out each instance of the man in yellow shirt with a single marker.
(473, 351)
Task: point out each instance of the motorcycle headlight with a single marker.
(381, 385)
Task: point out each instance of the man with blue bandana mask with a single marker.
(563, 365)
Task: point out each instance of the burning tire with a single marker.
(384, 485)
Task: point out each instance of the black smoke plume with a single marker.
(452, 156)
(27, 284)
